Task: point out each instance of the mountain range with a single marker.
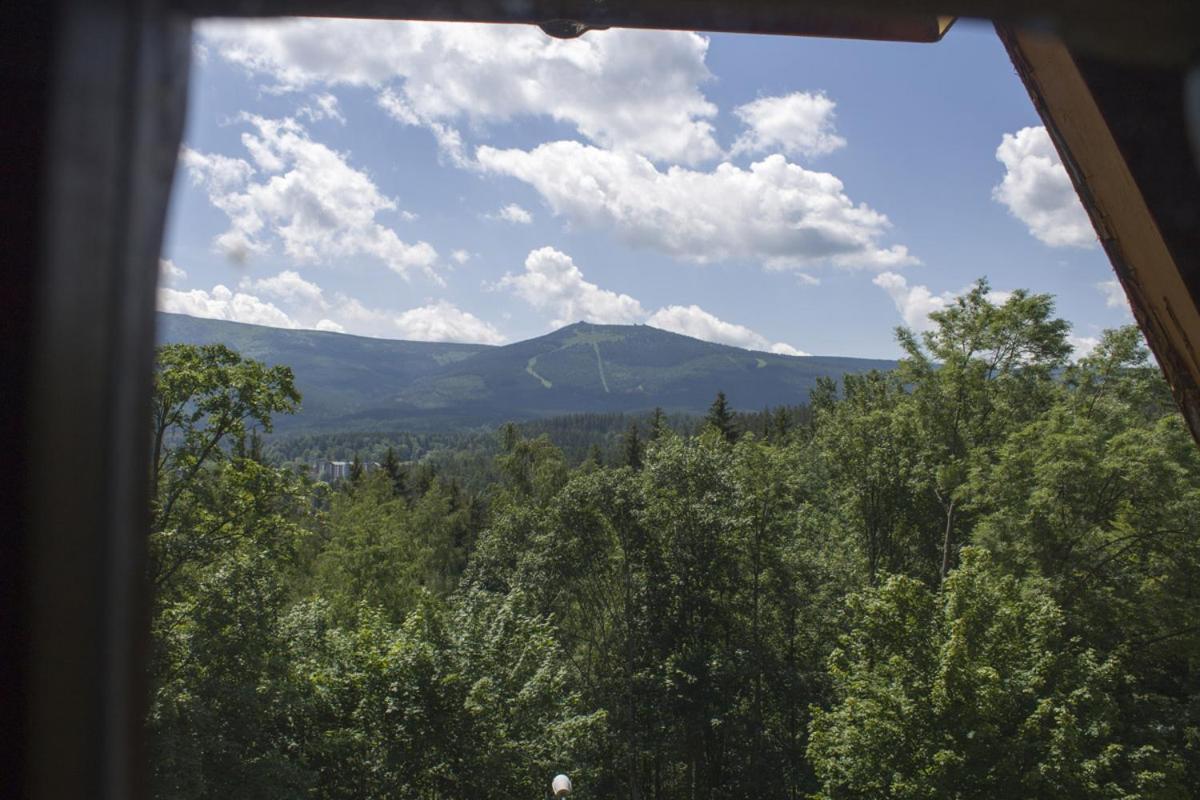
(359, 383)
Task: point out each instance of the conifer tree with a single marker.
(658, 425)
(509, 436)
(721, 418)
(633, 447)
(356, 470)
(395, 473)
(783, 424)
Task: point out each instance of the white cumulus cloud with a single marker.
(168, 273)
(444, 322)
(287, 286)
(308, 198)
(300, 303)
(222, 303)
(513, 213)
(323, 106)
(329, 325)
(1037, 190)
(775, 212)
(800, 124)
(1114, 295)
(623, 89)
(551, 282)
(916, 302)
(694, 321)
(1082, 346)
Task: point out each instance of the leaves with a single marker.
(974, 577)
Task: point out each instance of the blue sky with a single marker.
(487, 183)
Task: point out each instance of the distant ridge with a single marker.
(358, 383)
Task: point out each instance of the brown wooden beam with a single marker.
(1121, 135)
(1155, 31)
(754, 16)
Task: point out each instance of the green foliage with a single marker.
(982, 371)
(206, 401)
(973, 577)
(471, 701)
(633, 448)
(223, 542)
(977, 691)
(720, 417)
(371, 552)
(687, 606)
(869, 444)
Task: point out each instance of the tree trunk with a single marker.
(946, 540)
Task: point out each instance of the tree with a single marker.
(869, 448)
(372, 553)
(632, 447)
(976, 692)
(222, 544)
(206, 397)
(509, 437)
(658, 425)
(974, 577)
(981, 371)
(1098, 497)
(395, 472)
(782, 424)
(204, 496)
(721, 418)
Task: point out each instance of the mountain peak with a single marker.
(355, 383)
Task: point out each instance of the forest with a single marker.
(975, 576)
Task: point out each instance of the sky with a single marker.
(457, 182)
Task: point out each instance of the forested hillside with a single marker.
(352, 383)
(975, 576)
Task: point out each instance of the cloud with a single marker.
(1037, 190)
(446, 75)
(551, 282)
(461, 256)
(306, 305)
(221, 303)
(309, 199)
(218, 173)
(168, 273)
(513, 213)
(287, 286)
(799, 124)
(1082, 345)
(445, 322)
(696, 322)
(323, 106)
(775, 212)
(1114, 295)
(449, 140)
(915, 303)
(329, 325)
